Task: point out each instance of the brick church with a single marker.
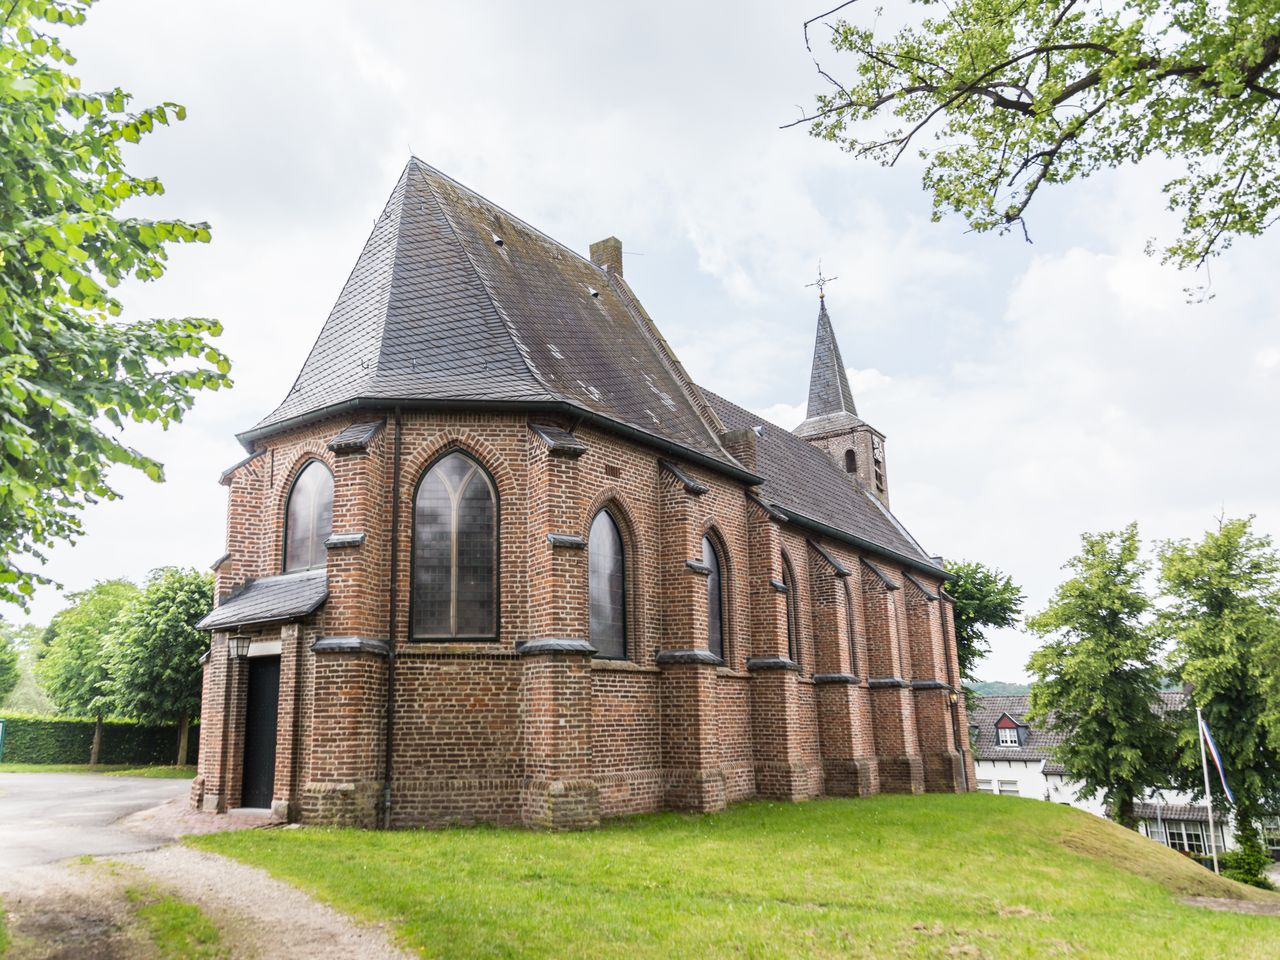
(496, 557)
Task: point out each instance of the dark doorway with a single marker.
(260, 732)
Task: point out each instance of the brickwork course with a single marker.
(466, 338)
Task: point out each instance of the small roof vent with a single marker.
(498, 241)
(594, 292)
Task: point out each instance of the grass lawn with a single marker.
(113, 770)
(888, 876)
(178, 930)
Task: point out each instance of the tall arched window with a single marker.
(455, 552)
(850, 462)
(853, 642)
(793, 618)
(308, 518)
(715, 599)
(607, 577)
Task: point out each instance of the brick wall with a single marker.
(484, 733)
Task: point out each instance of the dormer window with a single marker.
(1008, 736)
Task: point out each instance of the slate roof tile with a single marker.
(288, 596)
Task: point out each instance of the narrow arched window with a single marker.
(853, 642)
(308, 518)
(715, 599)
(607, 587)
(793, 619)
(455, 552)
(850, 462)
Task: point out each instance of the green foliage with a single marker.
(999, 688)
(74, 671)
(984, 598)
(1224, 621)
(67, 362)
(1097, 679)
(9, 667)
(26, 695)
(155, 649)
(63, 740)
(1248, 864)
(1018, 95)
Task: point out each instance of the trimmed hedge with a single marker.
(29, 739)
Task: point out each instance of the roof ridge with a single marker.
(498, 311)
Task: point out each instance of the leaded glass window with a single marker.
(607, 588)
(851, 623)
(455, 552)
(308, 518)
(793, 639)
(715, 602)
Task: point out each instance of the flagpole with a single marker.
(1208, 797)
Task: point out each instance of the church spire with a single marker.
(829, 391)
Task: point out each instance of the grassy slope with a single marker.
(111, 770)
(932, 876)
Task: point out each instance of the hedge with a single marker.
(30, 739)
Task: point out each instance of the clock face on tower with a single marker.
(877, 448)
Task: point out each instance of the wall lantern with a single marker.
(238, 647)
(954, 698)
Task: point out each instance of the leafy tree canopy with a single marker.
(155, 649)
(74, 670)
(71, 371)
(1097, 678)
(1002, 97)
(1224, 620)
(984, 598)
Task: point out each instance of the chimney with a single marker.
(741, 444)
(608, 254)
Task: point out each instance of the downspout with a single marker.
(392, 627)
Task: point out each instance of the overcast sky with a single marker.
(1029, 392)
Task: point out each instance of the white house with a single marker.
(1013, 758)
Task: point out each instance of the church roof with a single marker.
(455, 301)
(831, 406)
(803, 483)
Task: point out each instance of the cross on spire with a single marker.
(821, 282)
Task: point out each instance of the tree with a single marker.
(74, 671)
(8, 667)
(1224, 621)
(25, 639)
(155, 649)
(984, 598)
(1002, 97)
(1097, 677)
(68, 365)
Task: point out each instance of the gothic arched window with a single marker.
(853, 642)
(715, 599)
(793, 610)
(850, 462)
(607, 587)
(455, 552)
(308, 518)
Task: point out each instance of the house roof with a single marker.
(1038, 743)
(455, 300)
(1171, 811)
(805, 484)
(288, 596)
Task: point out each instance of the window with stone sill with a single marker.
(715, 599)
(455, 552)
(793, 610)
(308, 518)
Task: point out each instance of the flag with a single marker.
(1217, 758)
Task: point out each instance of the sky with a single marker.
(1029, 392)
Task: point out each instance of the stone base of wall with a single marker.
(943, 772)
(197, 793)
(903, 774)
(455, 801)
(699, 790)
(785, 781)
(342, 804)
(626, 794)
(561, 804)
(857, 777)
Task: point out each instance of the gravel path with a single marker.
(79, 908)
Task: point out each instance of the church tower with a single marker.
(832, 422)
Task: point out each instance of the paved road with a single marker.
(52, 816)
